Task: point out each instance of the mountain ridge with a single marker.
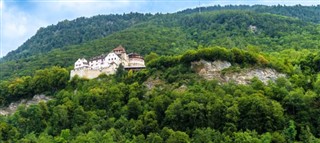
(167, 34)
(306, 13)
(77, 31)
(139, 17)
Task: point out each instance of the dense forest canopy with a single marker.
(305, 13)
(83, 29)
(164, 34)
(181, 106)
(169, 101)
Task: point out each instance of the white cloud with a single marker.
(17, 27)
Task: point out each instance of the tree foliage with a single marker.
(168, 101)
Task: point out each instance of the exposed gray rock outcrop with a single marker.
(151, 83)
(212, 70)
(244, 77)
(14, 106)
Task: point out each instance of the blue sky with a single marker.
(20, 19)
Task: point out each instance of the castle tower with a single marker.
(121, 52)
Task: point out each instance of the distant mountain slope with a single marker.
(235, 28)
(83, 29)
(75, 32)
(162, 40)
(305, 13)
(242, 29)
(167, 34)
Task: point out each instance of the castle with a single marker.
(107, 63)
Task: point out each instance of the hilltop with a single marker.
(305, 13)
(164, 34)
(81, 30)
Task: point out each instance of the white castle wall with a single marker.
(106, 65)
(90, 73)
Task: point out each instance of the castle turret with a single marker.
(135, 60)
(121, 52)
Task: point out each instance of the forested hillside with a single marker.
(173, 33)
(74, 32)
(83, 29)
(305, 13)
(169, 102)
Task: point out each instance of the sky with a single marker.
(20, 19)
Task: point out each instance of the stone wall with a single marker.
(90, 74)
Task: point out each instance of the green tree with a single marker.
(207, 135)
(178, 137)
(290, 132)
(134, 108)
(8, 133)
(154, 138)
(260, 114)
(246, 137)
(50, 80)
(150, 123)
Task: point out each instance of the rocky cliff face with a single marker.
(244, 77)
(213, 70)
(210, 70)
(14, 106)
